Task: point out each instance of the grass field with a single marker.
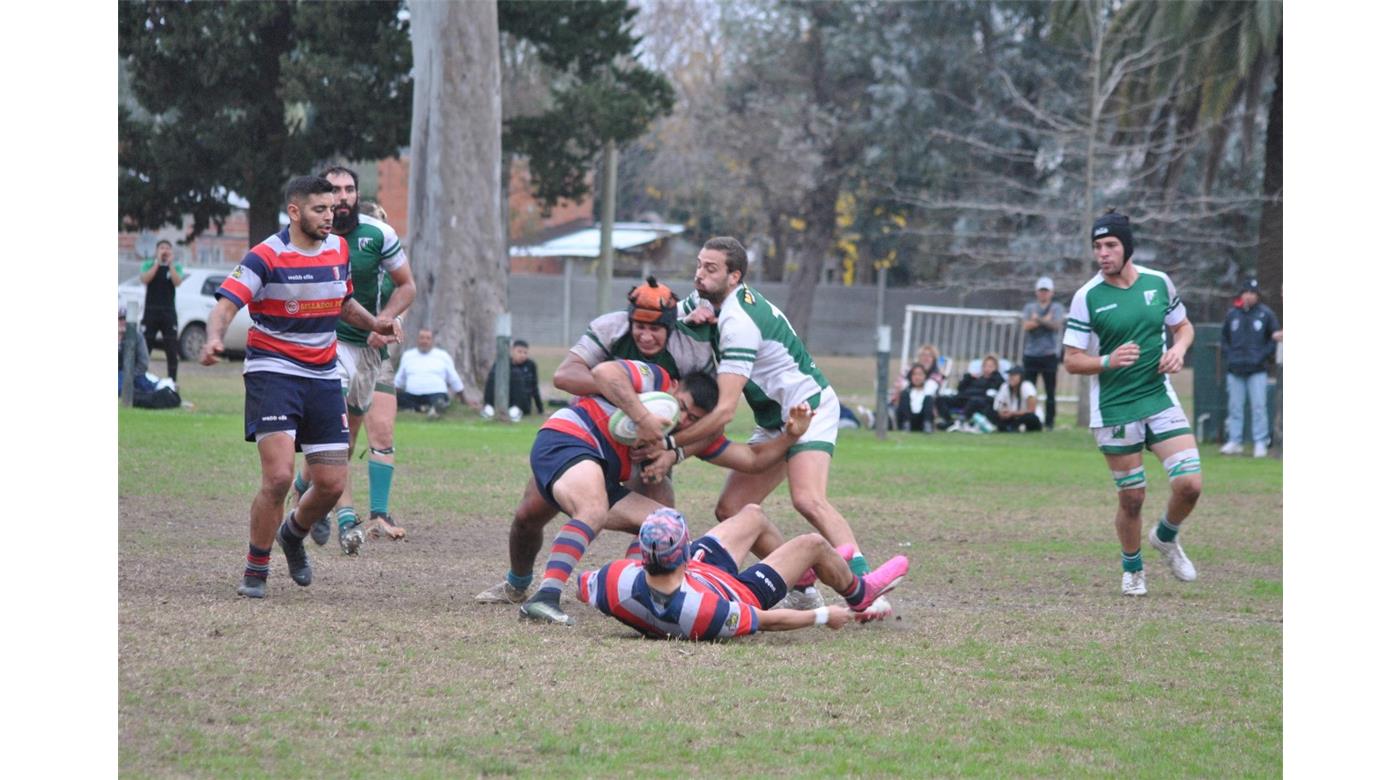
(1013, 653)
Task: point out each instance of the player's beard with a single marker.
(341, 225)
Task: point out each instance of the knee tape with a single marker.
(1130, 479)
(386, 452)
(1182, 464)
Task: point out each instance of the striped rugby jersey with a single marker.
(587, 418)
(710, 604)
(610, 337)
(294, 297)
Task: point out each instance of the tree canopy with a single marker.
(236, 98)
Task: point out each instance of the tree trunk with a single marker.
(1270, 262)
(454, 236)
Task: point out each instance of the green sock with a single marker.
(345, 516)
(1132, 562)
(381, 478)
(300, 484)
(858, 565)
(1166, 531)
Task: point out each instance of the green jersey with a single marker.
(375, 252)
(1101, 319)
(754, 338)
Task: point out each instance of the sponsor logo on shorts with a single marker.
(1118, 432)
(275, 418)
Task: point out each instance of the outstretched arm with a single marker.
(837, 615)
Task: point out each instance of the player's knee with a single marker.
(809, 504)
(727, 508)
(813, 543)
(277, 483)
(1187, 488)
(1131, 501)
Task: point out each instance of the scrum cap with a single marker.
(664, 539)
(652, 303)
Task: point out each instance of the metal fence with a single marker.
(961, 335)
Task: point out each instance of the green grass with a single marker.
(1013, 654)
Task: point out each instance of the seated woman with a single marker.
(1015, 403)
(914, 412)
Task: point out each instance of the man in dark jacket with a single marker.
(524, 382)
(1249, 341)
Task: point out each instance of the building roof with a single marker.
(586, 242)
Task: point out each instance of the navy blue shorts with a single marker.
(313, 409)
(552, 455)
(765, 582)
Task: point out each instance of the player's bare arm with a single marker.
(358, 316)
(837, 615)
(399, 300)
(575, 377)
(1183, 333)
(731, 389)
(749, 459)
(219, 318)
(615, 385)
(1077, 361)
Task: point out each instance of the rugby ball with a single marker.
(663, 405)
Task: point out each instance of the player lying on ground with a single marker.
(579, 468)
(696, 591)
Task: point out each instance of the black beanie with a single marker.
(1114, 224)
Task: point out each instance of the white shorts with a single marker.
(362, 373)
(1127, 438)
(820, 435)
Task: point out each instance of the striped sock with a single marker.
(858, 564)
(381, 479)
(856, 593)
(1132, 562)
(258, 559)
(564, 555)
(1166, 531)
(634, 551)
(345, 516)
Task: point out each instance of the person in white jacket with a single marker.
(426, 378)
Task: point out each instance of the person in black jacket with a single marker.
(975, 394)
(915, 409)
(524, 381)
(1249, 340)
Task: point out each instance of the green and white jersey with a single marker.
(755, 339)
(375, 251)
(609, 337)
(1101, 319)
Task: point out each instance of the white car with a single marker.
(194, 299)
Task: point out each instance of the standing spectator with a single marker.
(1043, 319)
(1015, 403)
(524, 382)
(424, 377)
(915, 409)
(1249, 340)
(161, 276)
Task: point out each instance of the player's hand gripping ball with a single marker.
(663, 405)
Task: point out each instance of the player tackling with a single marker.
(1116, 333)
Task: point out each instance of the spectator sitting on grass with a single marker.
(914, 412)
(1015, 403)
(424, 377)
(975, 394)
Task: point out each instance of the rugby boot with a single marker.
(882, 581)
(501, 593)
(1181, 566)
(253, 587)
(298, 564)
(384, 525)
(352, 536)
(545, 612)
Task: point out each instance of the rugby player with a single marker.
(1116, 334)
(297, 284)
(696, 591)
